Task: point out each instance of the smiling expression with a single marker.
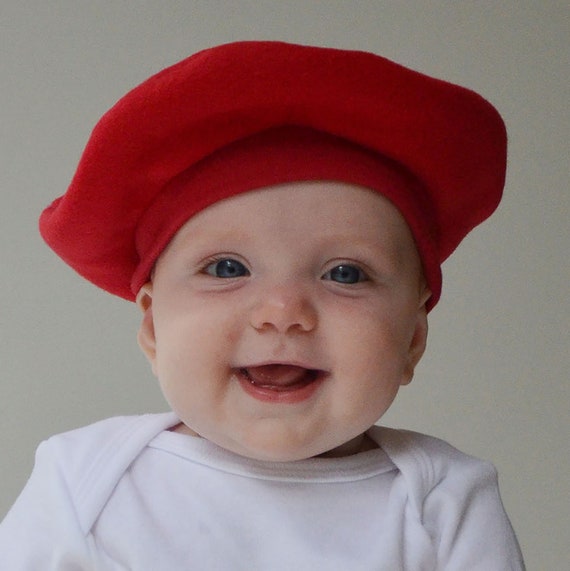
(282, 322)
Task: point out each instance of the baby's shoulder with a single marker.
(99, 442)
(86, 463)
(429, 463)
(423, 449)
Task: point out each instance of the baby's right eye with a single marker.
(226, 268)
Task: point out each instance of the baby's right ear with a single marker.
(146, 336)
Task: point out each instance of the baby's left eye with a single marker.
(345, 274)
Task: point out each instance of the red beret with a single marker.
(245, 115)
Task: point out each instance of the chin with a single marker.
(274, 449)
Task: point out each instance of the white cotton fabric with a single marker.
(126, 493)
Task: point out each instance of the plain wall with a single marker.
(494, 381)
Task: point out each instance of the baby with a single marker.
(279, 214)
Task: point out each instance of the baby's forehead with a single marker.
(330, 216)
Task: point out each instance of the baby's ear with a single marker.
(418, 341)
(146, 337)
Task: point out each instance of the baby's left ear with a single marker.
(146, 337)
(417, 345)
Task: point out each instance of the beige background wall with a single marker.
(495, 379)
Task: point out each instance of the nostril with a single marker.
(284, 315)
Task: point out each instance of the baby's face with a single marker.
(281, 323)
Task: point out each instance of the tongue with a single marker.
(278, 375)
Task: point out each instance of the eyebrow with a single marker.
(213, 234)
(394, 245)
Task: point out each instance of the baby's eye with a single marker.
(226, 268)
(345, 274)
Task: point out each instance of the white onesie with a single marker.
(127, 493)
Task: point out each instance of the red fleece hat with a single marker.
(241, 116)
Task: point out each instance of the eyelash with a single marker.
(215, 260)
(344, 270)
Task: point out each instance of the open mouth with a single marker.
(280, 382)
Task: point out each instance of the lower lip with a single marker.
(292, 395)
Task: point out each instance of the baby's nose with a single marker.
(284, 309)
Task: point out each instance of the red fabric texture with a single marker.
(450, 140)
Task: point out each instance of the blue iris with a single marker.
(345, 274)
(227, 268)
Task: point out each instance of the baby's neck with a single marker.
(361, 443)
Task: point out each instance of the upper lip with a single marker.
(286, 363)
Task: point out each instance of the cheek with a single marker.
(373, 345)
(191, 337)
